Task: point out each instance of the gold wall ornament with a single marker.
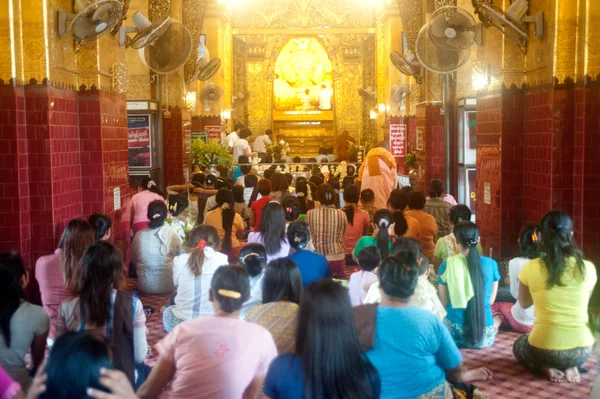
(304, 14)
(411, 13)
(120, 77)
(193, 19)
(158, 9)
(140, 87)
(444, 3)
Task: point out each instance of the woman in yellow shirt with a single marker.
(559, 284)
(228, 224)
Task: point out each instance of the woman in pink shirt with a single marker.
(216, 356)
(358, 222)
(56, 273)
(140, 202)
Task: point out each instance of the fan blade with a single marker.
(460, 41)
(460, 22)
(439, 26)
(99, 13)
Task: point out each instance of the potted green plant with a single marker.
(210, 155)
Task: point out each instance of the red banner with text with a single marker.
(398, 140)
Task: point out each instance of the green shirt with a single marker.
(368, 241)
(446, 247)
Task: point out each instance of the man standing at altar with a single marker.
(233, 137)
(378, 172)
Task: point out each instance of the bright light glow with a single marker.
(190, 101)
(479, 81)
(226, 114)
(373, 114)
(381, 108)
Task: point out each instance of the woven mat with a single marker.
(513, 381)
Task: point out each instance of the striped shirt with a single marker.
(327, 229)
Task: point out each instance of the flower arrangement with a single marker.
(211, 153)
(341, 170)
(278, 150)
(183, 228)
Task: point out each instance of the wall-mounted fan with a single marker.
(513, 23)
(240, 98)
(204, 67)
(407, 64)
(368, 94)
(210, 93)
(399, 92)
(91, 20)
(163, 45)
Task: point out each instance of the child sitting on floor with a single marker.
(425, 295)
(360, 281)
(509, 314)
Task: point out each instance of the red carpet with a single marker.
(511, 380)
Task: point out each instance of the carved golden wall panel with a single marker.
(239, 113)
(259, 104)
(158, 9)
(304, 14)
(193, 19)
(139, 87)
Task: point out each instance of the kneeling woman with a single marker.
(559, 284)
(468, 284)
(216, 356)
(414, 361)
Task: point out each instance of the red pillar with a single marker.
(431, 158)
(177, 131)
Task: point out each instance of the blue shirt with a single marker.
(312, 266)
(413, 349)
(490, 275)
(237, 172)
(285, 378)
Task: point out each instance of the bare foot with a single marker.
(497, 322)
(554, 375)
(572, 375)
(478, 374)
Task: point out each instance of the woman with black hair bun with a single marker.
(282, 287)
(313, 266)
(559, 283)
(446, 246)
(272, 232)
(102, 225)
(416, 360)
(153, 250)
(468, 284)
(254, 258)
(140, 201)
(216, 356)
(228, 224)
(381, 238)
(304, 198)
(327, 361)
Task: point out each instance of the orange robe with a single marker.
(378, 172)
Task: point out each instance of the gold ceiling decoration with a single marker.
(304, 14)
(444, 3)
(193, 19)
(411, 13)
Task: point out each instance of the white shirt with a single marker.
(191, 300)
(523, 316)
(239, 147)
(325, 99)
(425, 297)
(261, 143)
(231, 138)
(255, 299)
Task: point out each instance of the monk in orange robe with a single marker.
(343, 146)
(378, 172)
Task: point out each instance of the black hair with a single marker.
(353, 157)
(467, 235)
(289, 177)
(238, 126)
(177, 203)
(267, 174)
(383, 219)
(11, 291)
(347, 182)
(291, 207)
(157, 213)
(460, 213)
(238, 194)
(302, 194)
(272, 227)
(279, 182)
(367, 195)
(148, 184)
(436, 188)
(529, 241)
(313, 160)
(333, 182)
(245, 133)
(268, 132)
(100, 270)
(331, 357)
(263, 187)
(324, 160)
(199, 178)
(222, 183)
(202, 232)
(398, 275)
(350, 171)
(297, 159)
(232, 278)
(250, 180)
(225, 196)
(424, 265)
(407, 244)
(350, 201)
(282, 282)
(400, 224)
(398, 200)
(254, 257)
(558, 246)
(101, 223)
(211, 180)
(416, 200)
(407, 189)
(322, 151)
(327, 194)
(317, 179)
(74, 365)
(267, 159)
(301, 179)
(369, 258)
(245, 169)
(298, 235)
